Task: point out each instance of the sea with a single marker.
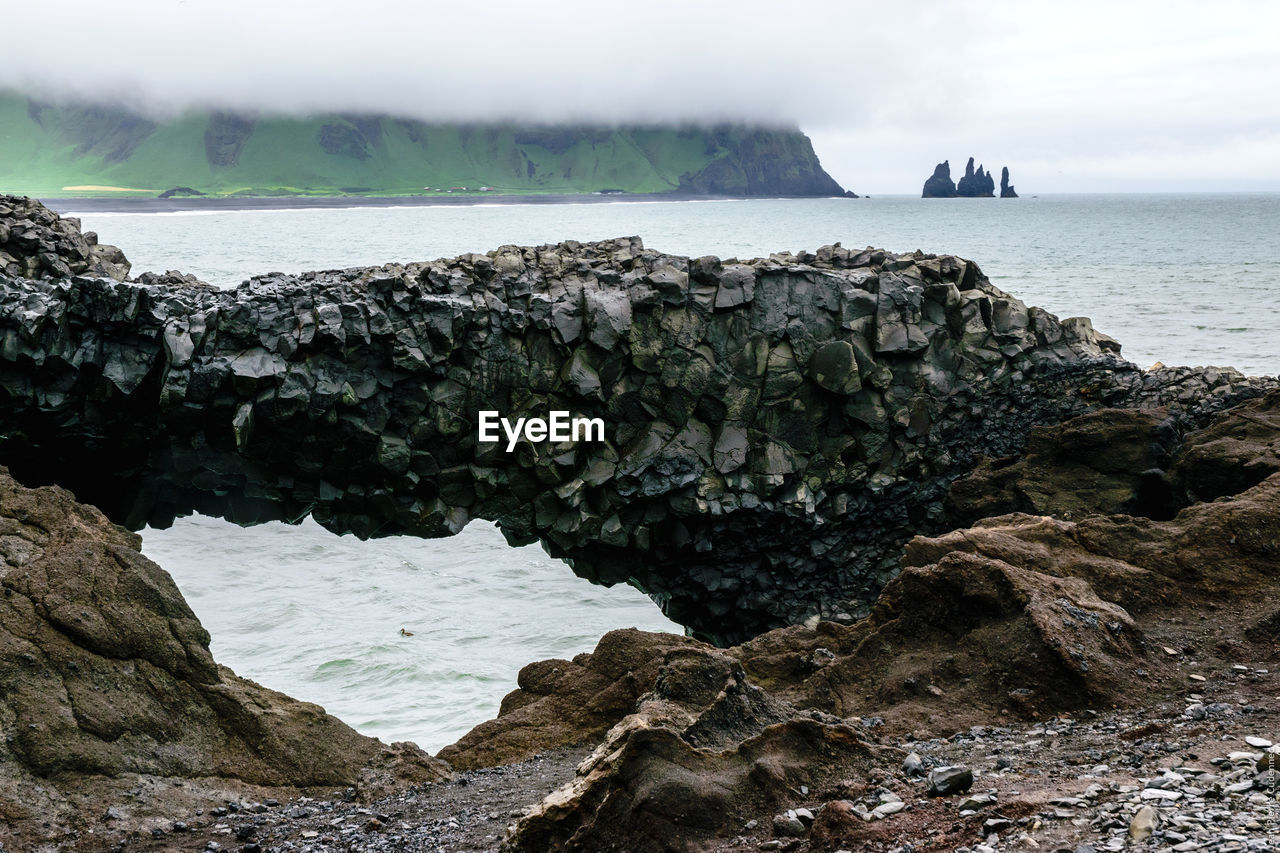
(409, 639)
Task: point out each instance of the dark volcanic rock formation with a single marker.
(35, 242)
(1022, 616)
(940, 184)
(107, 686)
(977, 184)
(1006, 188)
(973, 184)
(774, 429)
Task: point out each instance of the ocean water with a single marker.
(1181, 279)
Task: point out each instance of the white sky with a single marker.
(1086, 96)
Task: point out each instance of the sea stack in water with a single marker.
(940, 184)
(977, 184)
(1006, 188)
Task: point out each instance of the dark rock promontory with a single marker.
(775, 429)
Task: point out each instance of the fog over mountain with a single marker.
(1091, 96)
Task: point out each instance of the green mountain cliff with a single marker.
(52, 150)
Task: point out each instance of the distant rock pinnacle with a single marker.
(1006, 188)
(940, 185)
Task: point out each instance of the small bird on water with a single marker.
(404, 633)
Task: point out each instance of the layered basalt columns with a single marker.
(775, 429)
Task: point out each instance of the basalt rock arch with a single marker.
(775, 428)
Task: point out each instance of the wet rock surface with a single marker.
(775, 429)
(111, 703)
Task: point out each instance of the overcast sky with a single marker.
(1086, 96)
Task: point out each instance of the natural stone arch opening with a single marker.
(775, 429)
(319, 617)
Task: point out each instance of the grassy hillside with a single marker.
(52, 150)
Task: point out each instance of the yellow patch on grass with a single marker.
(94, 188)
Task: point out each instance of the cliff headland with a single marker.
(103, 150)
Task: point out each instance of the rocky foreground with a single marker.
(1077, 651)
(1102, 682)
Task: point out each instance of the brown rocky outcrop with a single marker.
(1236, 451)
(1107, 461)
(562, 703)
(949, 644)
(702, 752)
(107, 687)
(966, 631)
(1210, 547)
(1019, 615)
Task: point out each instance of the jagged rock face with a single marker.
(1020, 615)
(564, 703)
(977, 184)
(702, 752)
(106, 681)
(35, 242)
(939, 184)
(1220, 544)
(774, 429)
(1006, 188)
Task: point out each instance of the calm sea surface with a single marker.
(1182, 279)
